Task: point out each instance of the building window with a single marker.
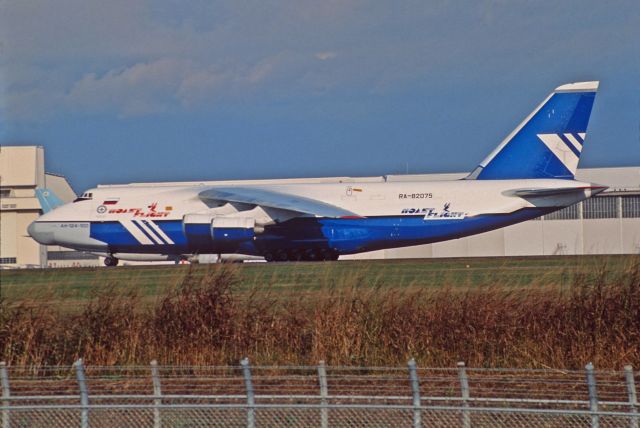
(630, 206)
(8, 261)
(5, 193)
(569, 213)
(601, 207)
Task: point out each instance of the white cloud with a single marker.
(28, 92)
(165, 84)
(323, 56)
(142, 88)
(200, 86)
(139, 57)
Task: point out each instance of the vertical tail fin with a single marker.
(48, 200)
(548, 143)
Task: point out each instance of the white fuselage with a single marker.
(408, 212)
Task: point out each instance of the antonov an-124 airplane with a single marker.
(531, 173)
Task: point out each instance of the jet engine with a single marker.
(206, 230)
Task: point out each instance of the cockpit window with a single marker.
(86, 196)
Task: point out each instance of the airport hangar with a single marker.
(608, 223)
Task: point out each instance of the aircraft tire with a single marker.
(328, 255)
(269, 257)
(311, 255)
(111, 261)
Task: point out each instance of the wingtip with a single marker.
(597, 188)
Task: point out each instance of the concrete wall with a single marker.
(561, 237)
(60, 186)
(630, 235)
(21, 171)
(8, 245)
(21, 166)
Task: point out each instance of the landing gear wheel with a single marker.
(328, 255)
(269, 257)
(111, 261)
(295, 256)
(281, 256)
(311, 255)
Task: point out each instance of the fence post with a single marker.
(251, 415)
(593, 396)
(464, 387)
(633, 396)
(84, 395)
(324, 393)
(157, 392)
(6, 393)
(415, 389)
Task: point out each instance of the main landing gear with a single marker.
(301, 255)
(111, 261)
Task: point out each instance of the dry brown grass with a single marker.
(204, 321)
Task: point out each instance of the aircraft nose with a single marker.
(41, 233)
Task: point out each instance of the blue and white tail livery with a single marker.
(548, 143)
(531, 173)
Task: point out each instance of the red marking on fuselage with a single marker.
(139, 212)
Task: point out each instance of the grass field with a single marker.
(70, 286)
(557, 312)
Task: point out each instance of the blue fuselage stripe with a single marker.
(342, 235)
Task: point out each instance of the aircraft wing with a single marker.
(273, 199)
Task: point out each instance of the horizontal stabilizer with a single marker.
(532, 193)
(272, 199)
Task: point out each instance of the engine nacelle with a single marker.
(205, 230)
(233, 229)
(197, 230)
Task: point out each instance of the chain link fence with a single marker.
(299, 396)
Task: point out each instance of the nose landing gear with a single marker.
(111, 261)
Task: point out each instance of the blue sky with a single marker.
(130, 90)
